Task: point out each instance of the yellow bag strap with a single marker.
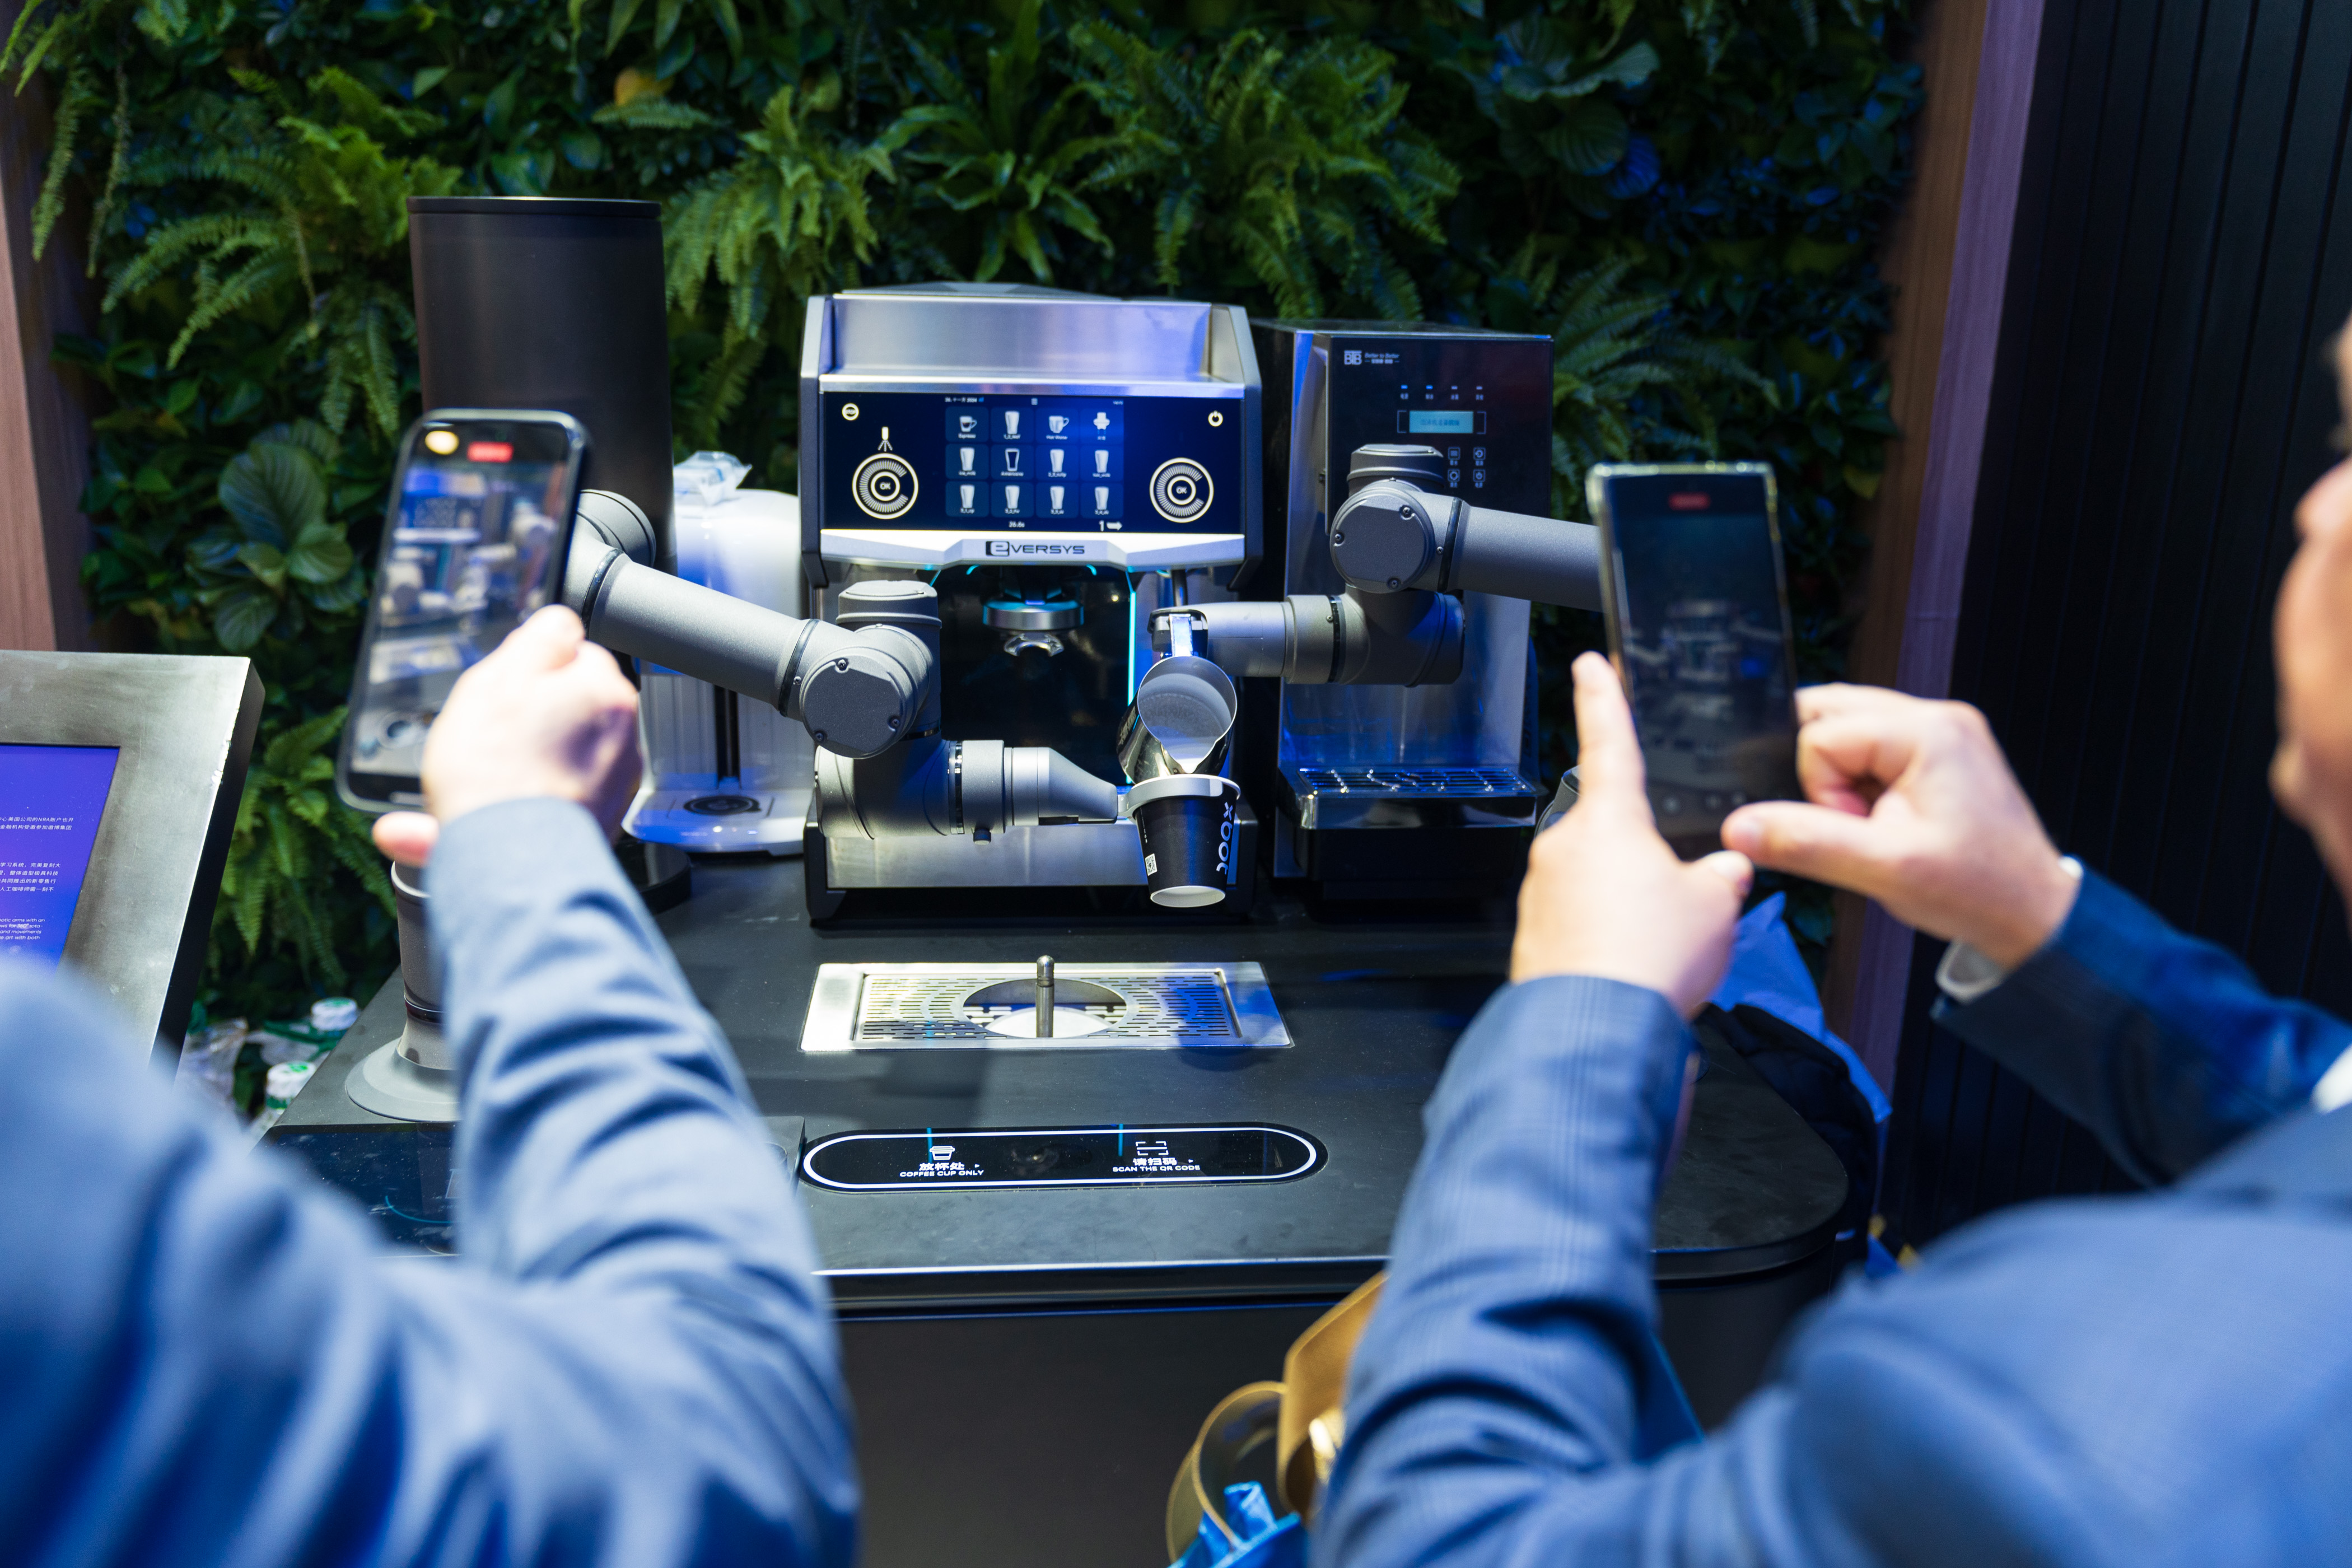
(1242, 1421)
(1302, 1414)
(1313, 1419)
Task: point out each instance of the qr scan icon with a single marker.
(1352, 356)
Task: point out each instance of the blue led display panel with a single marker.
(51, 798)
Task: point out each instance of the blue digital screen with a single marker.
(51, 798)
(1002, 463)
(1441, 422)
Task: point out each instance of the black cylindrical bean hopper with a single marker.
(533, 302)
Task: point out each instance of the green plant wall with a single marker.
(1687, 194)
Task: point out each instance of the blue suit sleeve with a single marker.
(2164, 1046)
(210, 1359)
(1514, 1347)
(1509, 1406)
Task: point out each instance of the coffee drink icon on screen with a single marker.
(1054, 460)
(1012, 424)
(1102, 497)
(966, 457)
(1102, 460)
(967, 424)
(1055, 493)
(971, 497)
(1056, 423)
(1011, 459)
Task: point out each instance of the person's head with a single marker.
(2312, 773)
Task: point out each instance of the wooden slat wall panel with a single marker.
(2164, 394)
(43, 412)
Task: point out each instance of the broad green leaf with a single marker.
(265, 561)
(623, 12)
(239, 619)
(307, 434)
(1590, 137)
(499, 108)
(321, 553)
(582, 150)
(273, 490)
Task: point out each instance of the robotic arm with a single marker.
(1404, 548)
(859, 690)
(867, 686)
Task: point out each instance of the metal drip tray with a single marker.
(1402, 796)
(900, 1007)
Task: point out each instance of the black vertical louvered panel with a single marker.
(2164, 394)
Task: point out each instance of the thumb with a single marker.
(549, 640)
(1812, 841)
(408, 837)
(1732, 867)
(1608, 772)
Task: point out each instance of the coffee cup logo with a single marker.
(1012, 498)
(1102, 461)
(1011, 425)
(1054, 460)
(971, 497)
(1102, 497)
(1055, 492)
(967, 455)
(967, 424)
(1056, 423)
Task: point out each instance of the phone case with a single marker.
(576, 460)
(1597, 481)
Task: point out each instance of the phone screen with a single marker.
(1698, 624)
(474, 543)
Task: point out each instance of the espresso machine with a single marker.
(1409, 787)
(1056, 467)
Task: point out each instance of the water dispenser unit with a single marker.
(1400, 791)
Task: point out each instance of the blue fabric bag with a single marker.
(1265, 1542)
(1771, 1015)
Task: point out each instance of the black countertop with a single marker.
(1373, 1006)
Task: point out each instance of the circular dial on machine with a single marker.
(1181, 490)
(883, 486)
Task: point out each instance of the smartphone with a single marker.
(1697, 608)
(474, 540)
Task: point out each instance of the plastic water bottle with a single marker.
(293, 1052)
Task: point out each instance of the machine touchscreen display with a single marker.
(480, 517)
(1698, 622)
(51, 798)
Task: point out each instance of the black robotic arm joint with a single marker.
(1394, 534)
(861, 686)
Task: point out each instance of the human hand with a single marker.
(1914, 806)
(1604, 895)
(547, 714)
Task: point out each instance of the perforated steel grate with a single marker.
(1188, 1008)
(1406, 781)
(859, 1006)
